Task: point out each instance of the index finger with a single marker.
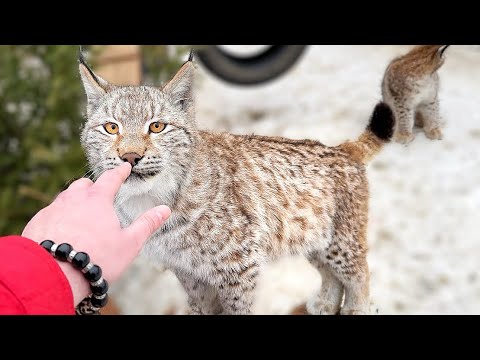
(110, 181)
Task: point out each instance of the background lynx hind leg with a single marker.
(419, 120)
(430, 113)
(404, 116)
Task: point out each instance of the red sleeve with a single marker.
(31, 281)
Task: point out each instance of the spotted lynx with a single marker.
(237, 201)
(410, 87)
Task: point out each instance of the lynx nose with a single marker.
(132, 158)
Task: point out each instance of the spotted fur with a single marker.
(237, 201)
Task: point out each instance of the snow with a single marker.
(424, 252)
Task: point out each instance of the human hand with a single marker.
(83, 216)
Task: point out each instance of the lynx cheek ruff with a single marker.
(92, 304)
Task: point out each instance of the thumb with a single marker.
(147, 223)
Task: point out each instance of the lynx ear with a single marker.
(95, 86)
(180, 88)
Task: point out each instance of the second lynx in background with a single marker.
(410, 86)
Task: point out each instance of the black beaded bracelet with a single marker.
(92, 304)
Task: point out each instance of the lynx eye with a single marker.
(157, 127)
(111, 128)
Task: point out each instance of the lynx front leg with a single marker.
(202, 297)
(430, 113)
(237, 292)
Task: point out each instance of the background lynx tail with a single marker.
(379, 131)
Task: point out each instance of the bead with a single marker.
(71, 256)
(93, 274)
(99, 302)
(53, 249)
(80, 260)
(47, 244)
(100, 289)
(62, 251)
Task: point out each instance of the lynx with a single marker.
(238, 201)
(410, 87)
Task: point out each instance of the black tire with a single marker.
(257, 69)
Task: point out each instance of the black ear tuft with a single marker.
(382, 122)
(81, 56)
(190, 57)
(442, 49)
(83, 61)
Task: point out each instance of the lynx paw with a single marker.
(346, 311)
(404, 138)
(191, 311)
(434, 134)
(319, 307)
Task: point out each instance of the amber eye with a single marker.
(157, 127)
(111, 128)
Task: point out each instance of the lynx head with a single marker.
(152, 128)
(434, 55)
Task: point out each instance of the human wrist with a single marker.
(79, 285)
(98, 297)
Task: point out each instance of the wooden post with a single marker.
(120, 64)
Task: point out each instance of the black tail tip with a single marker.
(382, 122)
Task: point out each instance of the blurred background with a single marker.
(424, 251)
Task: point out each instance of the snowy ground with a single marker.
(424, 251)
